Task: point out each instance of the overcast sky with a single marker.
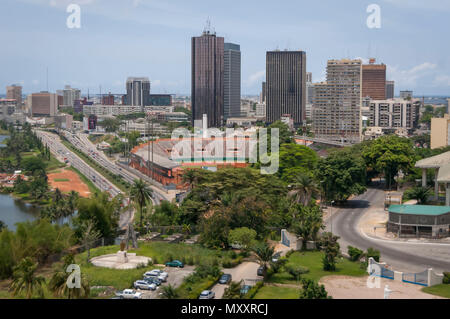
(121, 38)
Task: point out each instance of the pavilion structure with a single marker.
(441, 166)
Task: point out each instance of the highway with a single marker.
(82, 143)
(62, 152)
(401, 255)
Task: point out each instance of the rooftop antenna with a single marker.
(47, 79)
(207, 28)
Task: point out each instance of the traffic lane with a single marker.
(404, 256)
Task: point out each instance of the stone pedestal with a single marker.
(122, 257)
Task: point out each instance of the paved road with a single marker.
(403, 256)
(244, 271)
(82, 143)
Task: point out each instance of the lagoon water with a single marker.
(14, 211)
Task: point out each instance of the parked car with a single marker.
(207, 294)
(225, 279)
(175, 263)
(276, 257)
(162, 275)
(260, 271)
(129, 294)
(153, 280)
(144, 285)
(245, 289)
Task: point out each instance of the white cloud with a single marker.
(409, 78)
(255, 78)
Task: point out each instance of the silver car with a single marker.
(144, 285)
(207, 294)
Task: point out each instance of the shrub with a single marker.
(354, 253)
(289, 253)
(297, 272)
(254, 290)
(446, 279)
(375, 254)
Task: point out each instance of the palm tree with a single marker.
(233, 291)
(58, 283)
(169, 292)
(264, 254)
(25, 279)
(303, 189)
(420, 194)
(140, 195)
(89, 236)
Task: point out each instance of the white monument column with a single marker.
(447, 194)
(436, 185)
(424, 177)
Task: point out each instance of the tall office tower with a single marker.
(70, 95)
(43, 104)
(374, 80)
(263, 96)
(337, 103)
(138, 92)
(15, 92)
(406, 94)
(286, 85)
(208, 78)
(390, 86)
(232, 81)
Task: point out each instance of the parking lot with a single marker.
(175, 278)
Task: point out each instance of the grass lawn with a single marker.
(313, 261)
(62, 180)
(192, 290)
(274, 292)
(442, 290)
(162, 252)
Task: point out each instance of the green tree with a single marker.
(58, 282)
(264, 253)
(330, 246)
(284, 132)
(420, 194)
(341, 175)
(312, 290)
(307, 222)
(390, 154)
(26, 280)
(242, 236)
(303, 189)
(140, 194)
(89, 236)
(296, 160)
(2, 225)
(233, 291)
(169, 292)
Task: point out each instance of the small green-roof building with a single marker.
(419, 221)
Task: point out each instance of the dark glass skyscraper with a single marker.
(232, 80)
(208, 78)
(286, 85)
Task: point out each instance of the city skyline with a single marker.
(147, 38)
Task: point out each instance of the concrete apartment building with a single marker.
(232, 80)
(43, 104)
(440, 132)
(374, 80)
(394, 113)
(286, 85)
(14, 92)
(70, 95)
(337, 102)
